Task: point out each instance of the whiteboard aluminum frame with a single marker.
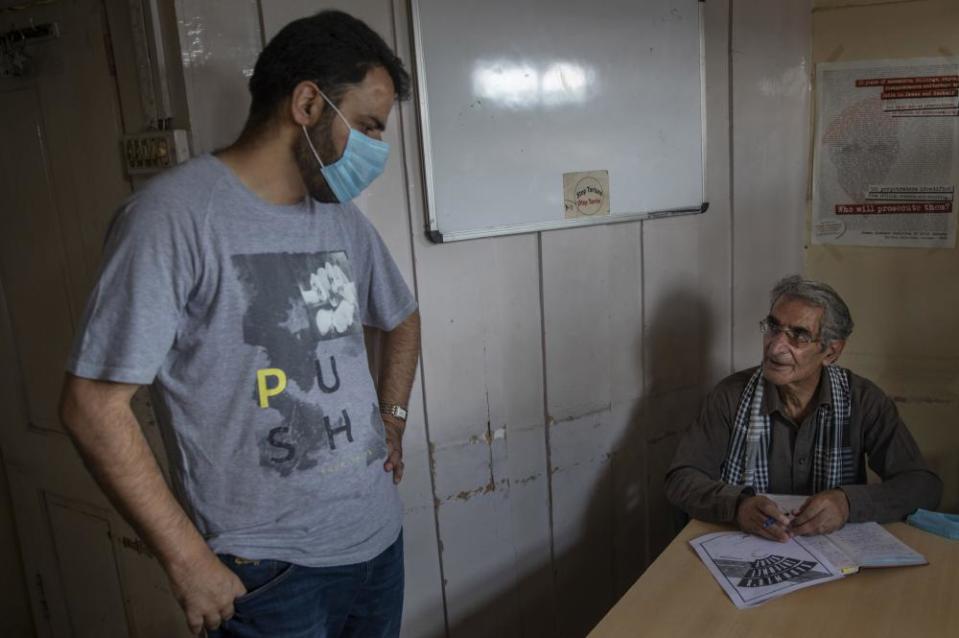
(433, 232)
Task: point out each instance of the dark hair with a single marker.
(331, 48)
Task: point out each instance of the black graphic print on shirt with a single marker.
(297, 302)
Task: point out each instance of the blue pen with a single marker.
(769, 521)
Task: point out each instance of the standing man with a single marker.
(800, 424)
(239, 285)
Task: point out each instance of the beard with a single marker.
(310, 169)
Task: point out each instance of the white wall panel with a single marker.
(716, 226)
(482, 363)
(219, 42)
(683, 262)
(481, 354)
(576, 310)
(592, 304)
(770, 87)
(478, 565)
(630, 506)
(423, 602)
(529, 514)
(582, 531)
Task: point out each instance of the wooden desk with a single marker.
(677, 596)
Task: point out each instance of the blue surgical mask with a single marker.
(363, 160)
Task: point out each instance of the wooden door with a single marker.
(60, 179)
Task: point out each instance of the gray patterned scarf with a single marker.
(747, 461)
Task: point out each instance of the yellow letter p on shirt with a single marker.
(266, 392)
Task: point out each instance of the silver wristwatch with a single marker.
(390, 409)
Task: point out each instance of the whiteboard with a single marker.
(513, 95)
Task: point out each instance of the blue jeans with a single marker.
(363, 600)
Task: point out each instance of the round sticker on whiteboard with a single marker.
(590, 197)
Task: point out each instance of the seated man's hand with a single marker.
(760, 516)
(821, 513)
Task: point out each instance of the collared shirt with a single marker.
(875, 435)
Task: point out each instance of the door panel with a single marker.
(61, 178)
(88, 570)
(32, 261)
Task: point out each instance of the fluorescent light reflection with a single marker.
(524, 86)
(512, 85)
(564, 83)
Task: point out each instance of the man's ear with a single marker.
(306, 104)
(833, 350)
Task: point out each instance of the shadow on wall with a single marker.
(679, 374)
(628, 521)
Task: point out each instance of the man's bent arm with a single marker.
(98, 416)
(400, 351)
(692, 482)
(907, 480)
(703, 498)
(894, 498)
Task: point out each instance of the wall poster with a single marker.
(886, 153)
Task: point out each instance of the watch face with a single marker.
(394, 410)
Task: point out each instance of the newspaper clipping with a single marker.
(887, 153)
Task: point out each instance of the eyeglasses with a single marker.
(797, 337)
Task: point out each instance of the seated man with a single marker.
(799, 424)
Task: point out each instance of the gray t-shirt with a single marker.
(248, 318)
